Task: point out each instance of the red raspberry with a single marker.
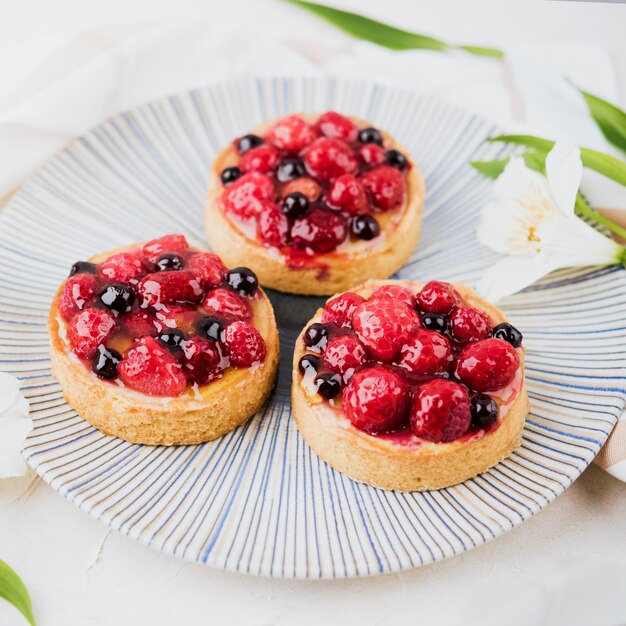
(304, 185)
(440, 411)
(376, 400)
(242, 197)
(88, 329)
(263, 159)
(124, 267)
(394, 292)
(320, 230)
(168, 287)
(344, 354)
(426, 354)
(487, 365)
(291, 133)
(437, 297)
(272, 225)
(152, 369)
(384, 326)
(385, 186)
(336, 126)
(244, 344)
(339, 310)
(328, 158)
(201, 362)
(207, 268)
(227, 304)
(77, 292)
(468, 324)
(139, 323)
(347, 194)
(176, 244)
(371, 154)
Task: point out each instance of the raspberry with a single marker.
(304, 185)
(347, 194)
(437, 297)
(344, 354)
(384, 326)
(152, 369)
(337, 126)
(242, 197)
(371, 154)
(170, 243)
(468, 324)
(227, 304)
(376, 400)
(244, 344)
(385, 186)
(124, 267)
(394, 292)
(426, 354)
(272, 225)
(339, 310)
(487, 365)
(207, 268)
(328, 158)
(88, 329)
(291, 133)
(440, 411)
(168, 287)
(320, 230)
(77, 292)
(139, 323)
(201, 362)
(263, 159)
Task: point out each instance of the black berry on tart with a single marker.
(410, 387)
(315, 203)
(159, 343)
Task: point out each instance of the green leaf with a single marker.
(383, 34)
(491, 169)
(13, 590)
(610, 119)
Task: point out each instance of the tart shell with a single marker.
(327, 273)
(381, 462)
(196, 416)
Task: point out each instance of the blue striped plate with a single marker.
(258, 500)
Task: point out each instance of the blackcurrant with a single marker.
(169, 262)
(365, 227)
(508, 333)
(105, 362)
(229, 175)
(118, 298)
(370, 135)
(242, 280)
(247, 142)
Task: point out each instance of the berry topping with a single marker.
(169, 262)
(88, 329)
(243, 196)
(158, 247)
(152, 369)
(247, 142)
(376, 400)
(384, 326)
(328, 158)
(328, 384)
(507, 332)
(229, 175)
(295, 204)
(347, 194)
(291, 134)
(272, 225)
(370, 135)
(396, 159)
(123, 267)
(467, 324)
(118, 298)
(139, 323)
(484, 411)
(309, 363)
(105, 362)
(175, 316)
(225, 303)
(365, 227)
(211, 328)
(243, 280)
(487, 365)
(339, 310)
(437, 297)
(319, 230)
(77, 292)
(263, 160)
(305, 185)
(244, 344)
(168, 287)
(290, 169)
(394, 292)
(201, 360)
(172, 339)
(385, 186)
(344, 354)
(207, 268)
(440, 411)
(83, 267)
(315, 337)
(426, 354)
(337, 126)
(371, 154)
(435, 321)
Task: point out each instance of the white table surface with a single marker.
(80, 573)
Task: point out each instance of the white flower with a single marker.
(14, 426)
(531, 219)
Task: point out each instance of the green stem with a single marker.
(582, 208)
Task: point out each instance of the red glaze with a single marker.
(339, 310)
(227, 303)
(207, 268)
(88, 329)
(168, 287)
(427, 353)
(244, 344)
(272, 225)
(77, 292)
(488, 365)
(319, 230)
(468, 324)
(201, 360)
(346, 193)
(394, 292)
(437, 297)
(344, 354)
(385, 186)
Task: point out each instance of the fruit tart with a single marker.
(410, 387)
(315, 203)
(159, 343)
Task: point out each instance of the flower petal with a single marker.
(13, 431)
(564, 171)
(9, 390)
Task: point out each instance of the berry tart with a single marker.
(315, 203)
(410, 387)
(159, 343)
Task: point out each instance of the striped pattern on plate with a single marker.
(258, 500)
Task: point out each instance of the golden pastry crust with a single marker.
(382, 462)
(196, 416)
(335, 271)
